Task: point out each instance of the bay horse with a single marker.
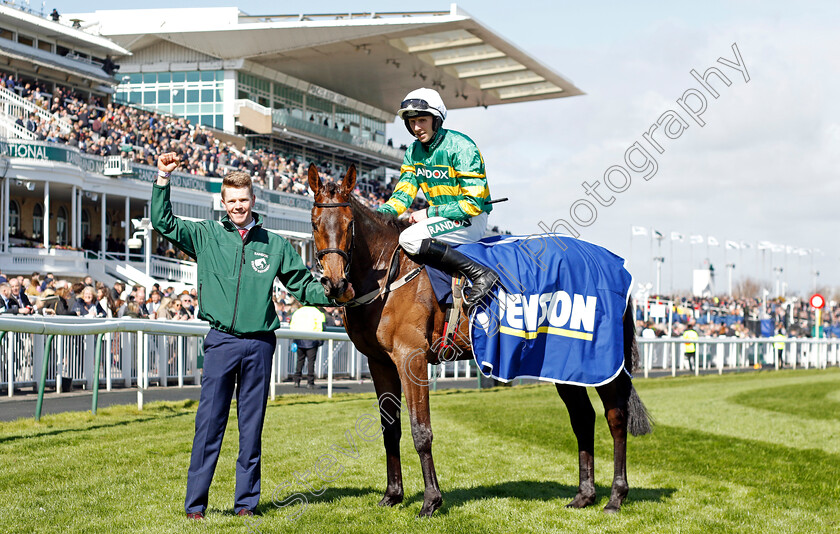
(397, 332)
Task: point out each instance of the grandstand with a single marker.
(90, 99)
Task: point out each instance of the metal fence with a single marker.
(721, 353)
(142, 353)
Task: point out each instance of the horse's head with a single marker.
(332, 228)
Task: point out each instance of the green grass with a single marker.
(746, 453)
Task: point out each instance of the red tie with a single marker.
(242, 232)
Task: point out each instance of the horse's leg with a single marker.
(614, 397)
(386, 380)
(415, 385)
(582, 416)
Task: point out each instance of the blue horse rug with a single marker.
(556, 314)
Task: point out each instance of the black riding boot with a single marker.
(443, 257)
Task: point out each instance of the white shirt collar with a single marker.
(247, 226)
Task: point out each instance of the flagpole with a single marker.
(672, 265)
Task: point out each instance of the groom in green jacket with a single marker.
(238, 261)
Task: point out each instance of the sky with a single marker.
(762, 167)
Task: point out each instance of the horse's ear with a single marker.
(349, 181)
(314, 179)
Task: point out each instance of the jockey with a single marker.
(449, 169)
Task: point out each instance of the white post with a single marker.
(10, 362)
(74, 227)
(358, 356)
(141, 366)
(329, 368)
(46, 216)
(102, 230)
(181, 341)
(107, 342)
(673, 353)
(127, 225)
(6, 215)
(646, 352)
(148, 236)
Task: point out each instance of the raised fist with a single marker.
(168, 162)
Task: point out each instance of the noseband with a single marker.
(346, 254)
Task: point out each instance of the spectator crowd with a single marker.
(110, 129)
(32, 295)
(738, 317)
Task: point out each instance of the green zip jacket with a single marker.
(235, 275)
(450, 171)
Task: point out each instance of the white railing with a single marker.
(9, 128)
(116, 166)
(16, 106)
(134, 352)
(59, 261)
(162, 268)
(721, 353)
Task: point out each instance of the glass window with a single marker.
(193, 76)
(208, 76)
(192, 95)
(208, 108)
(178, 76)
(135, 97)
(135, 77)
(85, 224)
(38, 221)
(149, 97)
(149, 77)
(220, 122)
(193, 119)
(14, 218)
(178, 109)
(164, 77)
(207, 120)
(207, 95)
(178, 95)
(61, 227)
(192, 108)
(163, 96)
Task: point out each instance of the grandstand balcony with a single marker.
(281, 123)
(89, 224)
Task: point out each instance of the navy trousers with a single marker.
(229, 360)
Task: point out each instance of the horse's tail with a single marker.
(631, 348)
(639, 420)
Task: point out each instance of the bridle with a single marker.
(346, 254)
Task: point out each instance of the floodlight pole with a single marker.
(729, 268)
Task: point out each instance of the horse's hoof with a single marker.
(612, 508)
(581, 501)
(430, 507)
(391, 500)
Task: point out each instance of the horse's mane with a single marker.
(381, 219)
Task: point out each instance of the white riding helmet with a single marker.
(421, 102)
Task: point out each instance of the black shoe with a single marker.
(445, 258)
(310, 386)
(297, 383)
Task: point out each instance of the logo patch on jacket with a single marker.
(260, 264)
(432, 173)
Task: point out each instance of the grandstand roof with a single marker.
(371, 57)
(37, 25)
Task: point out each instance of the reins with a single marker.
(347, 255)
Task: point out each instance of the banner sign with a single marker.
(557, 313)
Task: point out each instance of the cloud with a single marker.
(763, 167)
